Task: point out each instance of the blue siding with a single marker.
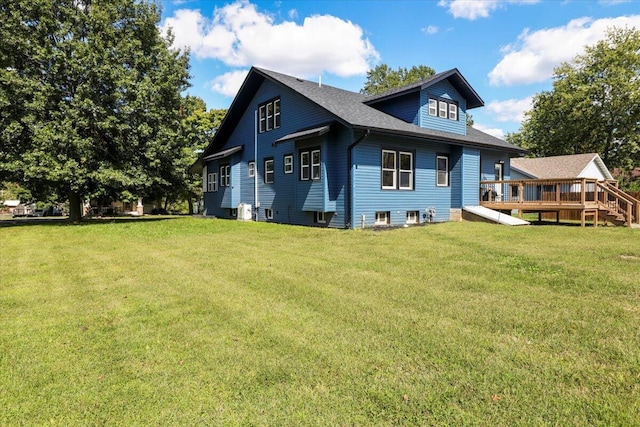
(443, 89)
(369, 197)
(405, 108)
(488, 159)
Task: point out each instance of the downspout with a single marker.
(256, 204)
(350, 208)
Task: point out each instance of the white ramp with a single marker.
(493, 216)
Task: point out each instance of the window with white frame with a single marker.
(212, 182)
(233, 212)
(397, 170)
(320, 217)
(405, 169)
(269, 115)
(383, 218)
(389, 176)
(433, 107)
(443, 108)
(268, 171)
(252, 169)
(413, 217)
(310, 165)
(453, 112)
(305, 165)
(268, 213)
(315, 164)
(225, 176)
(288, 163)
(442, 171)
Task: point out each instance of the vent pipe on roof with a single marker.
(320, 80)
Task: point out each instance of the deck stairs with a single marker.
(617, 207)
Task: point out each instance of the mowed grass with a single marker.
(214, 322)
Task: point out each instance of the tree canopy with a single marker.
(89, 98)
(383, 78)
(594, 105)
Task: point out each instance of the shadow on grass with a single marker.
(64, 221)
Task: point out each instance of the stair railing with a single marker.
(623, 204)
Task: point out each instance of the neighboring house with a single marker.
(588, 165)
(311, 154)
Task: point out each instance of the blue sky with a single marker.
(506, 49)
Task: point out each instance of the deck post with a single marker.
(582, 215)
(583, 195)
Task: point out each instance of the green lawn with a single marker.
(211, 322)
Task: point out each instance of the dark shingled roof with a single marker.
(350, 109)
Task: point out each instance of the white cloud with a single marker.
(431, 29)
(497, 132)
(472, 10)
(510, 110)
(240, 36)
(229, 83)
(533, 57)
(293, 14)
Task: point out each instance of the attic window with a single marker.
(269, 115)
(443, 108)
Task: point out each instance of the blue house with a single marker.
(299, 152)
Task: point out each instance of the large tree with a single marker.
(198, 128)
(89, 98)
(594, 105)
(383, 78)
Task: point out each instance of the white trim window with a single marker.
(212, 182)
(269, 115)
(453, 112)
(225, 176)
(383, 218)
(433, 107)
(268, 213)
(252, 169)
(268, 171)
(315, 164)
(389, 175)
(288, 163)
(442, 171)
(405, 169)
(305, 165)
(310, 165)
(413, 217)
(442, 108)
(320, 217)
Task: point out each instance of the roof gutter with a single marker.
(350, 208)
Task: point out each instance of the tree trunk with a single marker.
(75, 208)
(190, 202)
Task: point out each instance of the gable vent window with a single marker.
(269, 113)
(443, 108)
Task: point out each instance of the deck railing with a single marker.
(549, 194)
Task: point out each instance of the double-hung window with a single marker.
(252, 169)
(443, 108)
(310, 165)
(442, 171)
(268, 171)
(397, 170)
(288, 163)
(269, 115)
(225, 178)
(212, 182)
(389, 177)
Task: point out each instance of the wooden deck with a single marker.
(592, 200)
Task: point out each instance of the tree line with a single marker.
(91, 103)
